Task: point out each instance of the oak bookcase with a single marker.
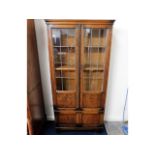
(79, 53)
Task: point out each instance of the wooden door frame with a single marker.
(106, 71)
(51, 60)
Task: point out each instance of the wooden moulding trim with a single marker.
(83, 110)
(80, 21)
(61, 25)
(67, 112)
(93, 92)
(66, 109)
(95, 25)
(65, 91)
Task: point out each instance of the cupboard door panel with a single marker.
(92, 119)
(66, 118)
(66, 100)
(94, 43)
(81, 118)
(92, 100)
(64, 56)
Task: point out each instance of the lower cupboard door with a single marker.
(66, 118)
(81, 119)
(91, 119)
(92, 100)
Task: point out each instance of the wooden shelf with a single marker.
(65, 68)
(93, 69)
(92, 78)
(64, 46)
(95, 47)
(62, 53)
(67, 78)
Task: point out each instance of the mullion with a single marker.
(90, 65)
(88, 55)
(74, 44)
(61, 62)
(99, 34)
(68, 63)
(74, 50)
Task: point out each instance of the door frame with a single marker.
(52, 65)
(107, 58)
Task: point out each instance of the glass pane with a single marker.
(94, 58)
(64, 58)
(63, 37)
(65, 74)
(65, 84)
(95, 37)
(65, 80)
(92, 84)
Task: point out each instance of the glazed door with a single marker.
(94, 65)
(64, 47)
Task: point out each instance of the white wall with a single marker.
(118, 75)
(42, 43)
(117, 85)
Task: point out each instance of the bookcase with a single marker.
(79, 56)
